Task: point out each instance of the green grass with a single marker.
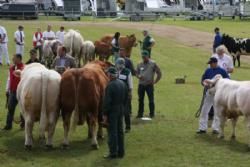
(168, 141)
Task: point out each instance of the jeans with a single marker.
(149, 89)
(12, 103)
(40, 50)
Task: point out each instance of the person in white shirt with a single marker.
(19, 40)
(38, 42)
(49, 34)
(224, 60)
(4, 45)
(60, 34)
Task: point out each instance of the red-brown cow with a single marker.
(103, 50)
(126, 42)
(82, 90)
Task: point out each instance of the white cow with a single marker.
(50, 51)
(88, 51)
(38, 96)
(73, 41)
(232, 99)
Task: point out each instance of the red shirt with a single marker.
(14, 81)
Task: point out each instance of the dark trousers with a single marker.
(149, 89)
(12, 103)
(127, 114)
(40, 50)
(115, 133)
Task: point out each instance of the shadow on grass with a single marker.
(233, 145)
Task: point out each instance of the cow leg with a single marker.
(93, 130)
(234, 121)
(238, 59)
(28, 133)
(234, 59)
(66, 125)
(51, 129)
(219, 113)
(248, 127)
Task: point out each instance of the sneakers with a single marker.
(201, 132)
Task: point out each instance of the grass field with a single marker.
(168, 141)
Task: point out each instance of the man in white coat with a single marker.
(60, 34)
(49, 34)
(4, 46)
(19, 40)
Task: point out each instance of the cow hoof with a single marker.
(28, 147)
(65, 146)
(48, 147)
(233, 137)
(95, 146)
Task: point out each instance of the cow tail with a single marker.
(76, 110)
(43, 114)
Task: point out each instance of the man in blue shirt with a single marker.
(217, 39)
(213, 70)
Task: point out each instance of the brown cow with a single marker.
(126, 42)
(103, 50)
(82, 90)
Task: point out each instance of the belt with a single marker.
(19, 44)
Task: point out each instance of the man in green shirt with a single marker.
(146, 71)
(148, 42)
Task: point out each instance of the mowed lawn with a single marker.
(167, 141)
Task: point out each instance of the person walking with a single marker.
(115, 46)
(19, 40)
(4, 46)
(60, 34)
(146, 71)
(49, 34)
(113, 108)
(124, 74)
(210, 72)
(63, 61)
(33, 57)
(148, 42)
(217, 39)
(11, 88)
(38, 42)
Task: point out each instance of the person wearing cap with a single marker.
(128, 62)
(210, 72)
(148, 42)
(19, 40)
(63, 61)
(217, 39)
(33, 57)
(60, 34)
(124, 74)
(115, 46)
(145, 72)
(113, 109)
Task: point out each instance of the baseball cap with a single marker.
(112, 70)
(120, 61)
(145, 53)
(212, 60)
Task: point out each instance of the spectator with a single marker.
(4, 46)
(63, 61)
(115, 46)
(148, 42)
(33, 57)
(217, 39)
(49, 34)
(38, 42)
(128, 62)
(11, 88)
(145, 73)
(19, 40)
(60, 34)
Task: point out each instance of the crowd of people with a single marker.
(118, 97)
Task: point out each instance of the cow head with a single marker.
(132, 40)
(210, 84)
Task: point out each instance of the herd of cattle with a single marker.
(86, 50)
(43, 94)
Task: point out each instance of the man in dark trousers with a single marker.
(113, 108)
(148, 42)
(146, 71)
(124, 74)
(12, 84)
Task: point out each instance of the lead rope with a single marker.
(198, 113)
